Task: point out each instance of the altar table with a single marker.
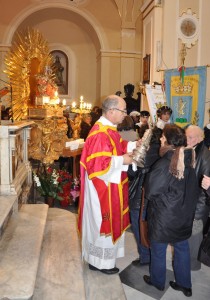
(75, 154)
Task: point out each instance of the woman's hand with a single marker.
(138, 143)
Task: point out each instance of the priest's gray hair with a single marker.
(110, 102)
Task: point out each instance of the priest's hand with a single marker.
(128, 158)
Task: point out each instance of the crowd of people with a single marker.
(126, 157)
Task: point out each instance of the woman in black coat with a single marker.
(171, 192)
(136, 180)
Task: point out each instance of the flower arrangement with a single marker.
(45, 86)
(66, 181)
(57, 184)
(49, 183)
(71, 188)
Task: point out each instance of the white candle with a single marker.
(73, 104)
(46, 99)
(64, 102)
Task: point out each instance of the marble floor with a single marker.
(136, 289)
(200, 279)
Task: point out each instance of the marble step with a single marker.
(8, 205)
(20, 248)
(61, 270)
(62, 274)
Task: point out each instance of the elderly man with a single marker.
(135, 115)
(195, 136)
(103, 207)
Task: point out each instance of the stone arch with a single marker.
(9, 33)
(91, 28)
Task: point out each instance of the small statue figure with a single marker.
(75, 124)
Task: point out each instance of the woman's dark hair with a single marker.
(156, 135)
(175, 135)
(163, 109)
(127, 124)
(142, 129)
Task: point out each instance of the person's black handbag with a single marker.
(204, 251)
(135, 186)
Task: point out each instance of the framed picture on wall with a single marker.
(60, 68)
(146, 69)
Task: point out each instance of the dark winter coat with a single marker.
(136, 179)
(171, 202)
(202, 167)
(85, 129)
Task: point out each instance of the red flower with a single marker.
(49, 170)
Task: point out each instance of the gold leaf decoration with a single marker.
(28, 56)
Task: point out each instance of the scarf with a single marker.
(177, 166)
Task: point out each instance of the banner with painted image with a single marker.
(155, 98)
(186, 99)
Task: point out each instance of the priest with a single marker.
(103, 206)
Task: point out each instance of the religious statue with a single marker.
(75, 124)
(58, 69)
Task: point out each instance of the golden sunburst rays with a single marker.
(28, 56)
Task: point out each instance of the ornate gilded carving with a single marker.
(48, 139)
(28, 56)
(28, 59)
(75, 125)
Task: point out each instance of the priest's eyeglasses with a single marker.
(122, 110)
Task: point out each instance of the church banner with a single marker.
(186, 95)
(155, 98)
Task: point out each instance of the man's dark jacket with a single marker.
(202, 167)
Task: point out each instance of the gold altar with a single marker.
(31, 77)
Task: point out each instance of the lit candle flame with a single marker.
(73, 104)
